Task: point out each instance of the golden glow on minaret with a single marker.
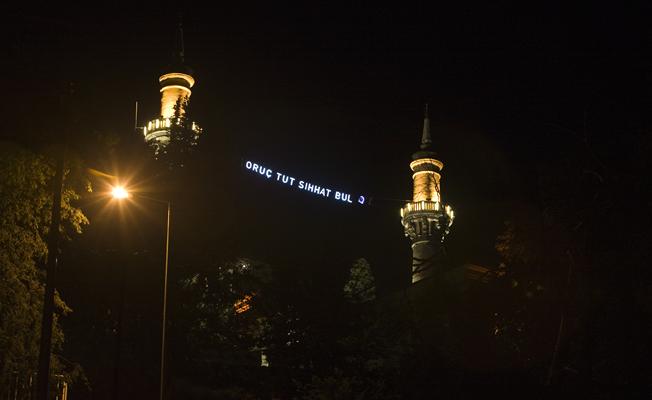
(426, 179)
(174, 86)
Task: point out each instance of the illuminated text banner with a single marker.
(288, 180)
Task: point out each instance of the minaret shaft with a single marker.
(426, 186)
(174, 86)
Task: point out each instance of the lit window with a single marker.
(243, 305)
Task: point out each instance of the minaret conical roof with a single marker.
(426, 139)
(178, 61)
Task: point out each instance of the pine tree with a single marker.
(361, 286)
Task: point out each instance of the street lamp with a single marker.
(119, 193)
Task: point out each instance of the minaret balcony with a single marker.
(427, 207)
(159, 129)
(426, 219)
(157, 124)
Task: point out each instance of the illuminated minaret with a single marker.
(175, 83)
(426, 219)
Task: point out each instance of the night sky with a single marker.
(335, 95)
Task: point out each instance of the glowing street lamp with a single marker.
(119, 192)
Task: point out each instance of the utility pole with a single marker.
(43, 378)
(45, 348)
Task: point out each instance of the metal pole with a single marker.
(118, 342)
(136, 117)
(165, 298)
(43, 379)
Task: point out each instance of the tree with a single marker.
(361, 286)
(575, 290)
(183, 137)
(25, 211)
(372, 348)
(232, 314)
(528, 288)
(222, 320)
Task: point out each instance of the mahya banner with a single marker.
(288, 180)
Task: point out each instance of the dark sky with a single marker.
(335, 95)
(330, 94)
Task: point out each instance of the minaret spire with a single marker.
(178, 42)
(426, 141)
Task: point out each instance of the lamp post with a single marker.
(119, 193)
(165, 299)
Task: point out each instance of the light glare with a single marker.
(119, 192)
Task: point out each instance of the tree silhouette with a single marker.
(183, 137)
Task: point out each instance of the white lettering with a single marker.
(288, 180)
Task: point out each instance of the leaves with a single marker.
(25, 212)
(183, 137)
(361, 286)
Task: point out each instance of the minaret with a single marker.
(175, 83)
(426, 219)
